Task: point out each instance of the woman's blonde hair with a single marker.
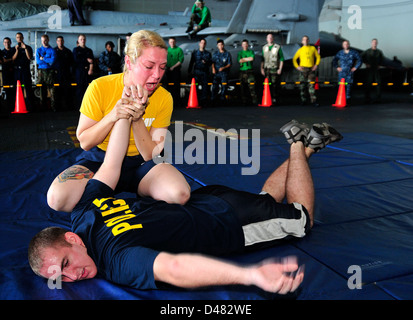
(140, 40)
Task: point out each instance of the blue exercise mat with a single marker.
(364, 217)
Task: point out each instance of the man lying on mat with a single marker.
(143, 243)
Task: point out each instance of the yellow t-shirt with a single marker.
(103, 94)
(307, 55)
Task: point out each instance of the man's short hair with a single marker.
(47, 238)
(220, 41)
(59, 37)
(112, 45)
(245, 40)
(7, 38)
(45, 36)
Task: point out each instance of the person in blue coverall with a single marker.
(347, 61)
(221, 64)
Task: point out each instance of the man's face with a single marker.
(74, 262)
(245, 45)
(82, 41)
(19, 38)
(346, 45)
(6, 43)
(202, 44)
(270, 38)
(45, 41)
(220, 46)
(149, 68)
(60, 42)
(374, 44)
(172, 43)
(304, 41)
(109, 48)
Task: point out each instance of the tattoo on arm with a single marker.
(75, 173)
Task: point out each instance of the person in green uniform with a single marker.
(372, 58)
(246, 59)
(272, 66)
(201, 16)
(173, 70)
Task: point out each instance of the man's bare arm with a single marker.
(109, 171)
(194, 270)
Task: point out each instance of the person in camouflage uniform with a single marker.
(272, 65)
(45, 57)
(309, 61)
(246, 59)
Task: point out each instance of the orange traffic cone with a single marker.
(341, 100)
(193, 97)
(20, 105)
(316, 86)
(266, 97)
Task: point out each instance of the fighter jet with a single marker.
(287, 20)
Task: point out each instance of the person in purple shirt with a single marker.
(45, 58)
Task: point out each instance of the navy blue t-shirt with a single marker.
(124, 236)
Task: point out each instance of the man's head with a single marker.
(19, 37)
(305, 41)
(270, 38)
(45, 40)
(220, 45)
(109, 45)
(172, 42)
(60, 41)
(202, 44)
(81, 40)
(199, 3)
(346, 44)
(245, 44)
(7, 43)
(374, 44)
(56, 247)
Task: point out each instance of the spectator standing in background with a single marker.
(246, 59)
(83, 63)
(8, 72)
(63, 66)
(173, 70)
(22, 59)
(221, 64)
(373, 58)
(45, 58)
(109, 60)
(272, 66)
(199, 65)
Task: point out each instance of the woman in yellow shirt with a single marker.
(134, 93)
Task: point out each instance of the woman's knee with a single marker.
(179, 195)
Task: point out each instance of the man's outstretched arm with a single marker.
(194, 270)
(109, 171)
